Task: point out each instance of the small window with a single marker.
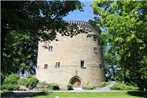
(57, 64)
(82, 64)
(45, 66)
(100, 65)
(94, 37)
(95, 48)
(50, 48)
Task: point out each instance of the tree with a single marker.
(23, 24)
(125, 36)
(20, 53)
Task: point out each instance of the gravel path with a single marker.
(103, 89)
(107, 87)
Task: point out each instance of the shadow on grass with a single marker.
(138, 93)
(41, 94)
(3, 94)
(22, 94)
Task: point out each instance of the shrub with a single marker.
(88, 87)
(69, 87)
(2, 76)
(13, 78)
(53, 86)
(10, 82)
(42, 84)
(9, 86)
(32, 82)
(103, 84)
(23, 81)
(122, 86)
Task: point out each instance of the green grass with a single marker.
(87, 95)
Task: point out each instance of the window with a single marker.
(82, 64)
(95, 50)
(100, 65)
(45, 66)
(57, 64)
(50, 48)
(94, 37)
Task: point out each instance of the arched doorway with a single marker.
(76, 82)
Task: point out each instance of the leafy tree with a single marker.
(23, 24)
(20, 52)
(124, 33)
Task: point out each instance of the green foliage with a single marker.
(9, 86)
(32, 82)
(18, 52)
(2, 76)
(87, 87)
(10, 82)
(42, 84)
(23, 81)
(122, 86)
(12, 79)
(23, 25)
(53, 86)
(124, 37)
(103, 84)
(69, 87)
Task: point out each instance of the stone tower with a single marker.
(76, 60)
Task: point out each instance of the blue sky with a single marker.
(81, 16)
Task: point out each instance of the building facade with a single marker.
(73, 60)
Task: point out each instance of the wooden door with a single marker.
(76, 83)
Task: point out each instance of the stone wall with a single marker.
(70, 51)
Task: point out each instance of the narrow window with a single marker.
(94, 37)
(50, 48)
(45, 66)
(95, 49)
(82, 64)
(100, 65)
(57, 64)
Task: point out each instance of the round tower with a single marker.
(73, 60)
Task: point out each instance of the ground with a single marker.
(104, 92)
(87, 95)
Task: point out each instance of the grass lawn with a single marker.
(87, 95)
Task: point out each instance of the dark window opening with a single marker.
(95, 50)
(100, 65)
(45, 66)
(57, 64)
(94, 38)
(50, 48)
(82, 64)
(57, 40)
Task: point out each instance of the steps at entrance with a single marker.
(77, 88)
